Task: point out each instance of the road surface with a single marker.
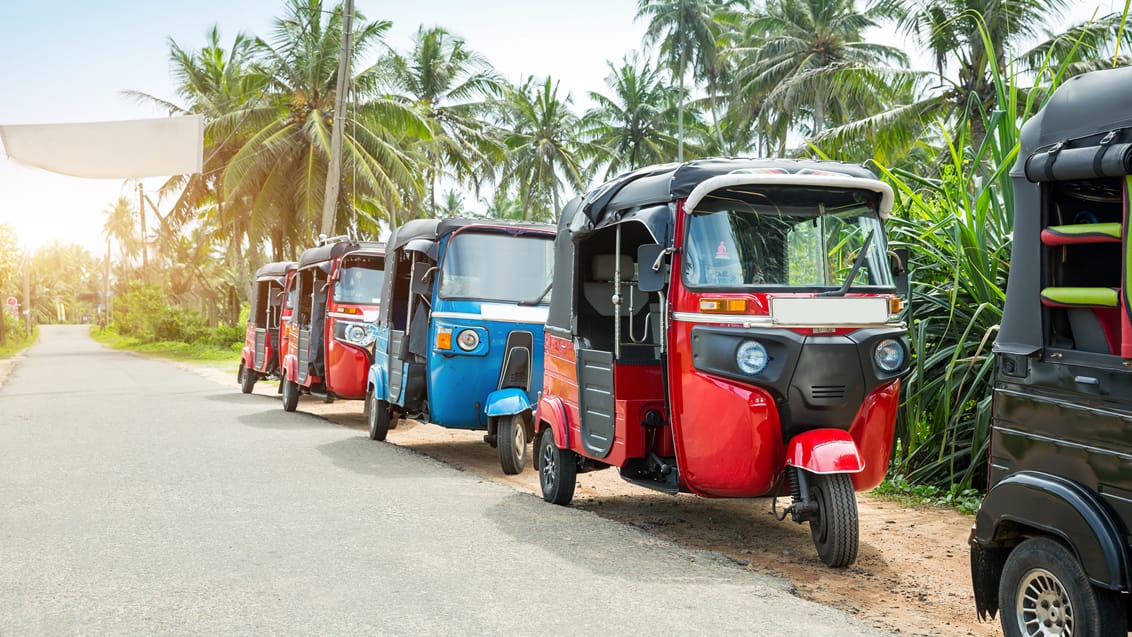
(139, 498)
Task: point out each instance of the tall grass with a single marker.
(958, 230)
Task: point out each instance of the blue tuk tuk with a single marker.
(460, 330)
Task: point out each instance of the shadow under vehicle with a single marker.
(729, 328)
(1050, 544)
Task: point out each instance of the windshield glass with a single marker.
(359, 281)
(497, 267)
(785, 236)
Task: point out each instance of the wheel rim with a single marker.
(1042, 606)
(518, 439)
(549, 465)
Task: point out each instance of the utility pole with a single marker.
(106, 315)
(27, 295)
(334, 170)
(141, 211)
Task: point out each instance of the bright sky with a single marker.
(70, 63)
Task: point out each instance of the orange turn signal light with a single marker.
(444, 340)
(895, 304)
(720, 306)
(350, 310)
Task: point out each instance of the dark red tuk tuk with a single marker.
(261, 354)
(729, 328)
(337, 289)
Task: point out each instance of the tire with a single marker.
(1043, 582)
(377, 417)
(290, 394)
(835, 529)
(511, 442)
(247, 379)
(557, 470)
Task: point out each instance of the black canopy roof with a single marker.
(434, 229)
(274, 270)
(1070, 137)
(321, 254)
(644, 195)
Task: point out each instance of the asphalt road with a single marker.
(139, 498)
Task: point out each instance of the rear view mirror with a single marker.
(898, 264)
(422, 278)
(651, 273)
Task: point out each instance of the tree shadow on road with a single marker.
(279, 419)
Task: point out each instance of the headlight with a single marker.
(360, 334)
(889, 355)
(751, 357)
(468, 340)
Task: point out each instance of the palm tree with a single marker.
(686, 35)
(281, 169)
(545, 150)
(631, 127)
(809, 57)
(121, 226)
(450, 84)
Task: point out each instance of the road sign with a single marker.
(13, 306)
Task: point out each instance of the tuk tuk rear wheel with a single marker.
(247, 379)
(511, 438)
(557, 470)
(1044, 591)
(290, 395)
(377, 416)
(835, 528)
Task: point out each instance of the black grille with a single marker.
(516, 370)
(827, 392)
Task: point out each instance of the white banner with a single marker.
(110, 150)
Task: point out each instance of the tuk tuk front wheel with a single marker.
(247, 379)
(290, 394)
(1044, 591)
(835, 528)
(511, 437)
(377, 416)
(557, 470)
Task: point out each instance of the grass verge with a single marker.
(199, 352)
(15, 346)
(963, 500)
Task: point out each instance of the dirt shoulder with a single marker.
(912, 575)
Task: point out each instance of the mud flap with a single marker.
(986, 572)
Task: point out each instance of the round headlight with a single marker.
(751, 357)
(468, 340)
(356, 334)
(889, 355)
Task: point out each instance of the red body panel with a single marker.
(347, 367)
(560, 385)
(873, 430)
(825, 451)
(728, 436)
(248, 352)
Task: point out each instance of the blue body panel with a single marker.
(461, 385)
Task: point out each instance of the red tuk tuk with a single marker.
(261, 354)
(728, 328)
(337, 292)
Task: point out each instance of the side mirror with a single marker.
(422, 278)
(898, 264)
(651, 273)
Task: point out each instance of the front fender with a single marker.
(1060, 508)
(377, 381)
(825, 451)
(506, 402)
(290, 366)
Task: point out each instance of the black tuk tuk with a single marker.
(1050, 544)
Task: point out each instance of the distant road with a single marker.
(139, 498)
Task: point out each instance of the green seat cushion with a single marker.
(1082, 233)
(1080, 297)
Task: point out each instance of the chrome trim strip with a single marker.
(762, 320)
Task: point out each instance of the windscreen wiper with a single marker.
(857, 263)
(538, 299)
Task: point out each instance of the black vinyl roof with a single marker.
(274, 270)
(643, 194)
(434, 229)
(669, 182)
(321, 254)
(1084, 131)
